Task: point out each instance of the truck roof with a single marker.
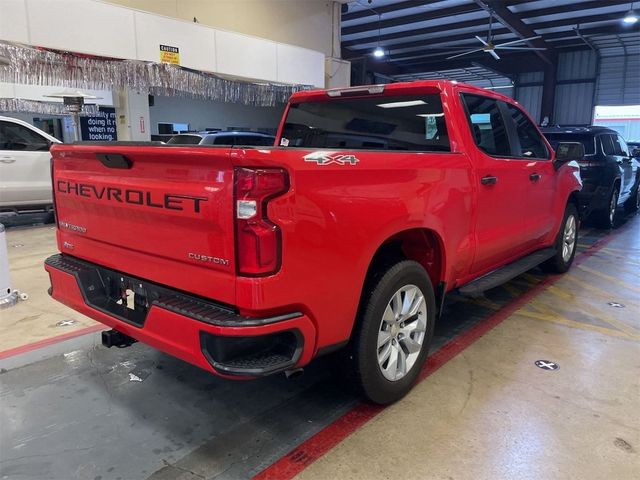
(393, 89)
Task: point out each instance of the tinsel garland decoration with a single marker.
(44, 108)
(36, 66)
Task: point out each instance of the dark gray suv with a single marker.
(610, 175)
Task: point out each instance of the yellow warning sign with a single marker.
(169, 54)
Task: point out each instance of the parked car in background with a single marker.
(610, 175)
(634, 147)
(25, 168)
(249, 139)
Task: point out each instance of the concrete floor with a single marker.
(91, 413)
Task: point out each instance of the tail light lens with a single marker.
(258, 240)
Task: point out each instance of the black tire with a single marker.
(605, 218)
(632, 205)
(559, 263)
(364, 370)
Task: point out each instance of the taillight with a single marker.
(258, 240)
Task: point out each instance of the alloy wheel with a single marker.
(569, 238)
(612, 206)
(402, 332)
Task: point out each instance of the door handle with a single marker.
(534, 177)
(489, 180)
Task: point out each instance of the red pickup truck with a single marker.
(376, 202)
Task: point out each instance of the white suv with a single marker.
(25, 171)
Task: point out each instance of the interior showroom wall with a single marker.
(208, 114)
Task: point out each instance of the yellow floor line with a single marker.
(603, 315)
(573, 324)
(609, 278)
(600, 292)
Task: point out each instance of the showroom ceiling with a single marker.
(417, 36)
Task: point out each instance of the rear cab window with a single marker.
(399, 122)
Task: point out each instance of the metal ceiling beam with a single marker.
(524, 63)
(574, 19)
(517, 26)
(424, 16)
(445, 51)
(375, 10)
(610, 29)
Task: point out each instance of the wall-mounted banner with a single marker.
(169, 54)
(100, 127)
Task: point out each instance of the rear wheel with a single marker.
(606, 218)
(566, 243)
(393, 333)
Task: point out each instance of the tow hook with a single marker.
(293, 373)
(114, 338)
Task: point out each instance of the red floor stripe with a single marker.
(50, 341)
(319, 444)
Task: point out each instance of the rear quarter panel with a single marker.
(335, 217)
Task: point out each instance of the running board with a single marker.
(506, 273)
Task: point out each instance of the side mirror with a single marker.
(567, 152)
(635, 152)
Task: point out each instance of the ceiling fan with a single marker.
(490, 47)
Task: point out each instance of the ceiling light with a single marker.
(378, 52)
(630, 18)
(410, 103)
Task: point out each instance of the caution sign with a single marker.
(169, 54)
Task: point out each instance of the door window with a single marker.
(620, 145)
(487, 125)
(531, 143)
(607, 145)
(20, 138)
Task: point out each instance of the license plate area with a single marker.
(124, 297)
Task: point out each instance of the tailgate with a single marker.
(157, 212)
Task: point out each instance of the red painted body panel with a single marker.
(333, 219)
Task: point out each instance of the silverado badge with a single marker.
(327, 158)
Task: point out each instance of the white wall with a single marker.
(202, 114)
(305, 23)
(97, 28)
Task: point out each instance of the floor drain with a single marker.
(547, 365)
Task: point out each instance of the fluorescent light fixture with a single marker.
(426, 115)
(378, 52)
(630, 18)
(410, 103)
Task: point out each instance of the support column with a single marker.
(549, 91)
(337, 72)
(132, 115)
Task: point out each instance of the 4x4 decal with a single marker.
(327, 158)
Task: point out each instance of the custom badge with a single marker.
(327, 158)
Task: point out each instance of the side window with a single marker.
(223, 140)
(487, 125)
(620, 146)
(531, 143)
(19, 138)
(607, 145)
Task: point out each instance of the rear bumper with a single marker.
(209, 335)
